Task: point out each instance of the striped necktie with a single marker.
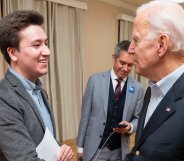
(117, 92)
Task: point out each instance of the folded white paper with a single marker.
(48, 148)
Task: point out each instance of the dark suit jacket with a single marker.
(21, 126)
(162, 139)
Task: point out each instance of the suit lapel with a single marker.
(26, 96)
(18, 87)
(143, 114)
(165, 109)
(129, 97)
(105, 82)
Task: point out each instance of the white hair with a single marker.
(166, 17)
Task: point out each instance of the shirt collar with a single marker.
(167, 82)
(115, 77)
(28, 85)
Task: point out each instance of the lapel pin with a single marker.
(168, 109)
(131, 89)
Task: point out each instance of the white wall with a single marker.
(101, 35)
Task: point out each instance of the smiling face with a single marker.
(122, 64)
(32, 57)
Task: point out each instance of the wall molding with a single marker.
(125, 17)
(120, 4)
(72, 3)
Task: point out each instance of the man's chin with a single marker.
(43, 73)
(137, 69)
(123, 76)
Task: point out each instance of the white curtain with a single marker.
(125, 30)
(66, 66)
(64, 27)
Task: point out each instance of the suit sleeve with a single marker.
(85, 112)
(128, 157)
(138, 108)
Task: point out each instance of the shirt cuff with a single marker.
(131, 129)
(80, 150)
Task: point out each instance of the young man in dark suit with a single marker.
(24, 109)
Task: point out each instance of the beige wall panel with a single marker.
(101, 35)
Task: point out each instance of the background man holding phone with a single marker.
(111, 97)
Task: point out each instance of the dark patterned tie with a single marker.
(117, 92)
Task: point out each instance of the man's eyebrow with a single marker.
(40, 40)
(135, 36)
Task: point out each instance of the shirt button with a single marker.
(100, 136)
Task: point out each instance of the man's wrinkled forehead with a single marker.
(141, 23)
(142, 19)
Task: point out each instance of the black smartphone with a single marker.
(80, 159)
(121, 126)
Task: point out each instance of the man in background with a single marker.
(158, 48)
(111, 98)
(24, 109)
